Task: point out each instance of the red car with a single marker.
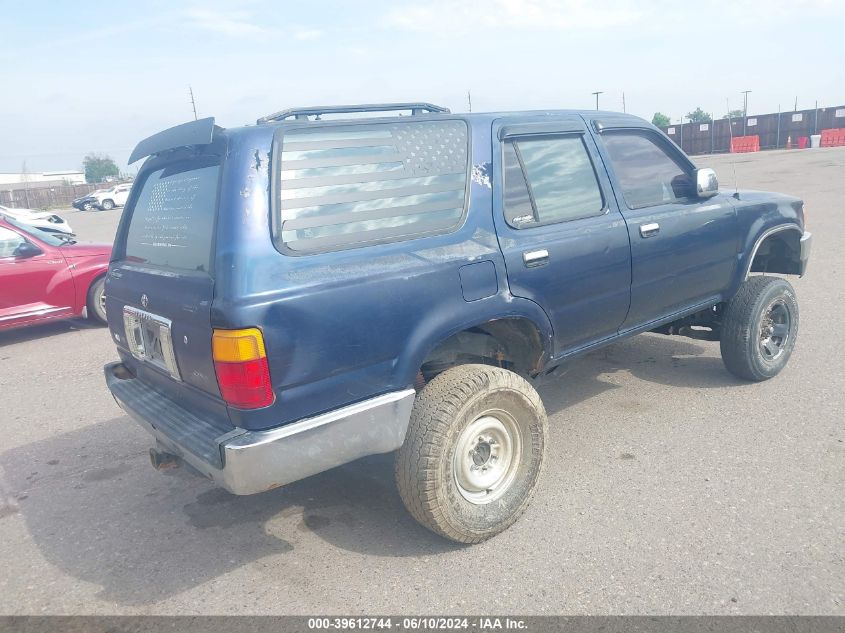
(45, 276)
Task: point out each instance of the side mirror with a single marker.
(27, 249)
(706, 183)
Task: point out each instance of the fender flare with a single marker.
(432, 332)
(759, 241)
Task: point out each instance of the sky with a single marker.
(82, 77)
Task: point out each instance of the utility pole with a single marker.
(25, 180)
(469, 100)
(600, 92)
(623, 103)
(682, 134)
(193, 102)
(744, 110)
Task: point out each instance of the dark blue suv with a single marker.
(293, 295)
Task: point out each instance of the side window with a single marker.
(647, 174)
(9, 241)
(549, 180)
(347, 186)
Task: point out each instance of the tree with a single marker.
(734, 114)
(97, 168)
(699, 116)
(660, 120)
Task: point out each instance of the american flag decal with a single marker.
(353, 185)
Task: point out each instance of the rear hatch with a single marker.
(160, 284)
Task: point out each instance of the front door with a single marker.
(564, 240)
(683, 248)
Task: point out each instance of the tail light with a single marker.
(243, 373)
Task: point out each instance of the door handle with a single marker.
(532, 259)
(649, 230)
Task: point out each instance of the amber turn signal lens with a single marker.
(236, 346)
(243, 373)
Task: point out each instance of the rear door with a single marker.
(160, 285)
(564, 241)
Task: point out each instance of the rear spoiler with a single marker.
(198, 132)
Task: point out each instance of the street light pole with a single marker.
(744, 110)
(600, 92)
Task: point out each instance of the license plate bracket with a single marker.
(149, 338)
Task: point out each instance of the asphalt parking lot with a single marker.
(670, 486)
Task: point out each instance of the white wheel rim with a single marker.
(487, 456)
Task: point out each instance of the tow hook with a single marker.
(164, 461)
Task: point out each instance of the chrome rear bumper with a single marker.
(255, 461)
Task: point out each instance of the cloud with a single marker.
(450, 16)
(232, 23)
(101, 32)
(558, 15)
(307, 34)
(242, 23)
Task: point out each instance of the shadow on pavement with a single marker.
(664, 360)
(45, 330)
(99, 512)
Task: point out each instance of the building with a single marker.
(40, 179)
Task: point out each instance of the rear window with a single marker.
(355, 185)
(172, 222)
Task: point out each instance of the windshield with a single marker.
(47, 238)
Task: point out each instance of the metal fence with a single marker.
(775, 130)
(34, 197)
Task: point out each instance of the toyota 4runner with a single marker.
(294, 295)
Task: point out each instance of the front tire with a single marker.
(107, 205)
(97, 301)
(473, 452)
(87, 206)
(759, 328)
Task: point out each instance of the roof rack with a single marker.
(304, 113)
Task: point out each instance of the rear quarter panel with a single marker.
(86, 270)
(344, 326)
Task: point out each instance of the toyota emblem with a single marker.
(144, 300)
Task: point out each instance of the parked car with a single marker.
(291, 296)
(44, 220)
(88, 201)
(112, 197)
(48, 276)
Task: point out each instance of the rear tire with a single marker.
(107, 205)
(97, 301)
(473, 452)
(759, 329)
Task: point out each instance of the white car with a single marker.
(114, 197)
(43, 220)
